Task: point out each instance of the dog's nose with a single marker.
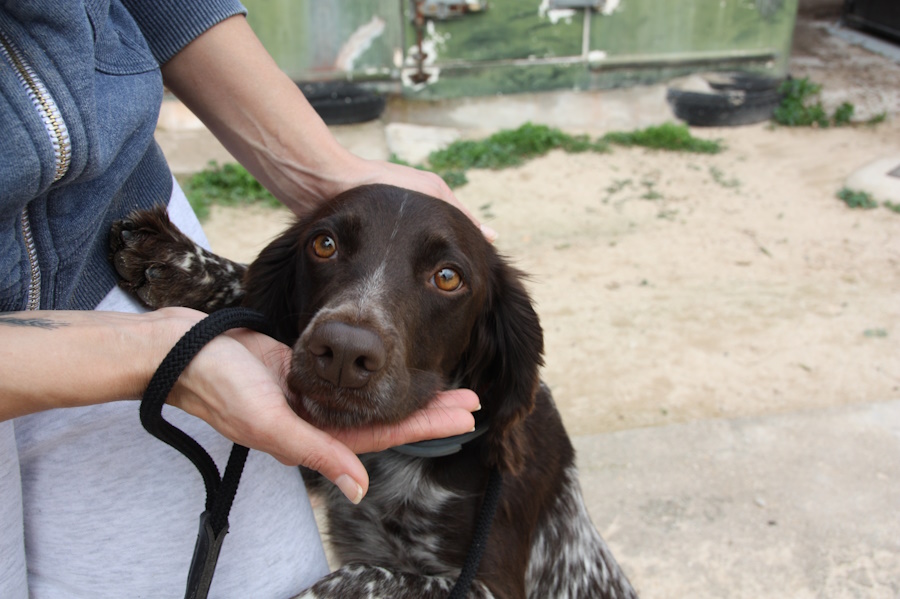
(346, 355)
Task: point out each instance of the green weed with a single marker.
(719, 177)
(231, 184)
(668, 136)
(801, 106)
(857, 199)
(509, 148)
(228, 185)
(843, 114)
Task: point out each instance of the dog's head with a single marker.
(389, 296)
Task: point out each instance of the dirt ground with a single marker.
(676, 287)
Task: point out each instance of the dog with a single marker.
(388, 296)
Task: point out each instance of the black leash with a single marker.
(219, 492)
(479, 540)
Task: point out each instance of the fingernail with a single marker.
(478, 408)
(489, 234)
(350, 488)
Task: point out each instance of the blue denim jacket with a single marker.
(80, 90)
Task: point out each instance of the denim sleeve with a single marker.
(170, 25)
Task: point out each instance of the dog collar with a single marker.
(436, 448)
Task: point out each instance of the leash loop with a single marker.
(220, 492)
(479, 540)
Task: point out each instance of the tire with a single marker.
(342, 103)
(733, 99)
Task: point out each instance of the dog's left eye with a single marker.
(324, 246)
(447, 279)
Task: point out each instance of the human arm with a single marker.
(64, 359)
(230, 82)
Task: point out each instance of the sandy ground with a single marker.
(676, 287)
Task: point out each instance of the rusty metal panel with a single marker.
(473, 47)
(662, 31)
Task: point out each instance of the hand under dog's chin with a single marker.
(337, 408)
(326, 415)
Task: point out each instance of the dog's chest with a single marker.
(405, 519)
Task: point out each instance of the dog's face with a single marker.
(389, 296)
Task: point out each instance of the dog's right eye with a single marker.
(324, 246)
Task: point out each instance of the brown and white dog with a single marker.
(388, 296)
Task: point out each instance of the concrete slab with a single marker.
(413, 143)
(862, 39)
(595, 112)
(796, 505)
(880, 178)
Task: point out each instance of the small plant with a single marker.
(857, 199)
(228, 184)
(719, 177)
(618, 185)
(668, 136)
(509, 148)
(875, 333)
(801, 106)
(843, 114)
(892, 206)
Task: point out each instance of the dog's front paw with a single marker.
(162, 266)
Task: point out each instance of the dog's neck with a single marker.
(436, 448)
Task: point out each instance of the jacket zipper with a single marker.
(62, 150)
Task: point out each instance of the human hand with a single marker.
(246, 403)
(377, 171)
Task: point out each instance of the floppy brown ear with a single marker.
(502, 362)
(271, 283)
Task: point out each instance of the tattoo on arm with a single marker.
(7, 318)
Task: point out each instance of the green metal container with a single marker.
(522, 45)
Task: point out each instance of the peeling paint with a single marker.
(609, 7)
(431, 43)
(357, 44)
(555, 15)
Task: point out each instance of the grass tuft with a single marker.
(857, 199)
(509, 148)
(231, 185)
(668, 136)
(226, 185)
(801, 106)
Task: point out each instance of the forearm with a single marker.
(63, 359)
(231, 83)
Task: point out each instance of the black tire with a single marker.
(342, 103)
(734, 99)
(748, 82)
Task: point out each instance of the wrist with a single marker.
(158, 332)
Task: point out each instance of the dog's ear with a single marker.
(271, 281)
(502, 364)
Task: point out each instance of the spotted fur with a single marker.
(165, 269)
(410, 536)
